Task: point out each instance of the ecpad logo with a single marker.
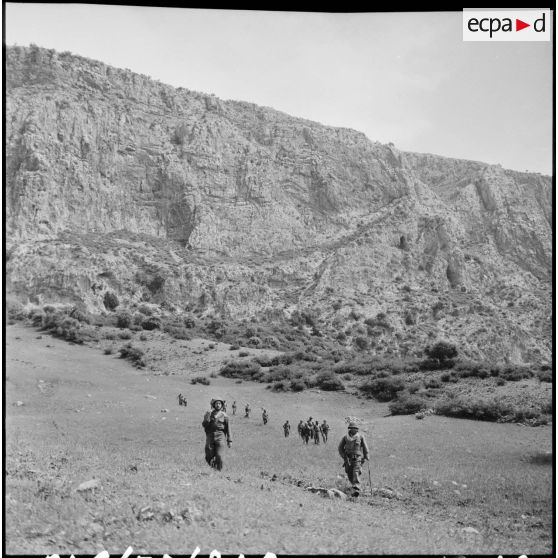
(506, 25)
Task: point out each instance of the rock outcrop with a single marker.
(118, 183)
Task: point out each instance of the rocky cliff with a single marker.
(116, 182)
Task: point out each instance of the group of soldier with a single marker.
(352, 447)
(313, 430)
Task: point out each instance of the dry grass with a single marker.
(144, 457)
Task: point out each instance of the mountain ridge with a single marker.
(269, 198)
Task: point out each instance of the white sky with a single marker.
(406, 77)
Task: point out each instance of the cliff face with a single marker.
(117, 182)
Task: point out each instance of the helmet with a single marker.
(217, 399)
(353, 425)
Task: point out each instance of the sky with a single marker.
(401, 77)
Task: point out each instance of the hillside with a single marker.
(118, 184)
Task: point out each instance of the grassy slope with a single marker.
(51, 448)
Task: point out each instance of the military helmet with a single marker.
(217, 399)
(353, 425)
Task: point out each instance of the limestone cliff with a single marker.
(117, 182)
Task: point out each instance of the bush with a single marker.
(151, 323)
(110, 300)
(137, 356)
(234, 348)
(464, 407)
(282, 385)
(177, 332)
(383, 389)
(125, 335)
(298, 385)
(435, 364)
(243, 354)
(545, 376)
(240, 369)
(516, 373)
(407, 405)
(189, 322)
(432, 383)
(109, 350)
(329, 382)
(361, 343)
(442, 351)
(200, 380)
(123, 320)
(16, 311)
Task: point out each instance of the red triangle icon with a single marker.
(519, 25)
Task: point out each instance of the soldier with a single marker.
(354, 451)
(316, 432)
(265, 416)
(180, 399)
(217, 430)
(324, 428)
(247, 410)
(287, 429)
(234, 407)
(300, 428)
(305, 433)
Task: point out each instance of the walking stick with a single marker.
(369, 477)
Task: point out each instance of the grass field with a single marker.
(462, 487)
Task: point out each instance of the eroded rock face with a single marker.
(117, 183)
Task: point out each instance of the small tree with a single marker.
(442, 351)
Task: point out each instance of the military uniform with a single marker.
(247, 411)
(354, 451)
(217, 434)
(324, 428)
(316, 431)
(287, 429)
(265, 416)
(234, 407)
(300, 428)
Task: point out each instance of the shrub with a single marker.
(298, 385)
(500, 382)
(329, 382)
(516, 373)
(435, 364)
(37, 317)
(433, 383)
(134, 354)
(407, 405)
(200, 380)
(234, 348)
(110, 300)
(151, 323)
(545, 376)
(143, 337)
(125, 335)
(240, 369)
(16, 311)
(243, 354)
(189, 322)
(123, 320)
(177, 332)
(282, 385)
(109, 350)
(442, 351)
(383, 389)
(361, 343)
(464, 407)
(145, 309)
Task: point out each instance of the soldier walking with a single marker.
(354, 451)
(305, 433)
(217, 432)
(300, 428)
(247, 410)
(265, 416)
(316, 431)
(287, 429)
(234, 407)
(324, 428)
